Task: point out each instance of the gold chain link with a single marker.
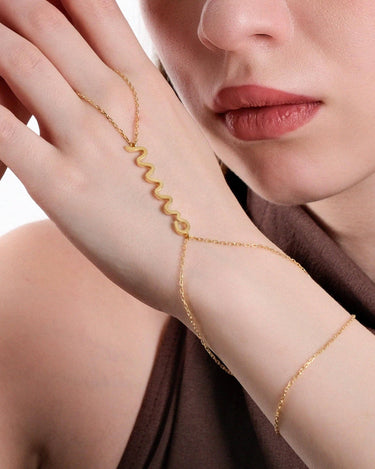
(131, 143)
(302, 369)
(248, 245)
(190, 314)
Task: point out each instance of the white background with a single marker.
(16, 206)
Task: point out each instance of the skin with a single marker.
(85, 360)
(8, 99)
(75, 179)
(316, 48)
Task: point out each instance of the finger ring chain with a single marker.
(180, 225)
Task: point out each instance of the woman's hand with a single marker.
(78, 171)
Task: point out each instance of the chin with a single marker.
(285, 198)
(295, 188)
(286, 195)
(295, 171)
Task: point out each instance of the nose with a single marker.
(231, 24)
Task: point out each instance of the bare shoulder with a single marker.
(76, 351)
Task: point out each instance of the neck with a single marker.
(349, 219)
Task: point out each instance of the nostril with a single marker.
(263, 35)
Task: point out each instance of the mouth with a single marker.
(253, 112)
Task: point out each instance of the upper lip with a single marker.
(253, 96)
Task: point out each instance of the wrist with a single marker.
(248, 305)
(208, 265)
(201, 258)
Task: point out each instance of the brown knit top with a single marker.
(194, 415)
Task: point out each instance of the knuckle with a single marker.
(103, 8)
(63, 183)
(73, 181)
(44, 16)
(7, 127)
(107, 5)
(110, 92)
(25, 58)
(77, 182)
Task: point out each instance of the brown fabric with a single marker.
(298, 234)
(194, 415)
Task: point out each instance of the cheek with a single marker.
(343, 30)
(172, 25)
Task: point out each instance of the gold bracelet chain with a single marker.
(189, 313)
(302, 369)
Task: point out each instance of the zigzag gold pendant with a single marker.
(180, 225)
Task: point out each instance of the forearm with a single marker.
(264, 317)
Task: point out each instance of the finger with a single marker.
(38, 85)
(29, 156)
(105, 28)
(59, 6)
(49, 30)
(9, 100)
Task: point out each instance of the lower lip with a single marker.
(269, 121)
